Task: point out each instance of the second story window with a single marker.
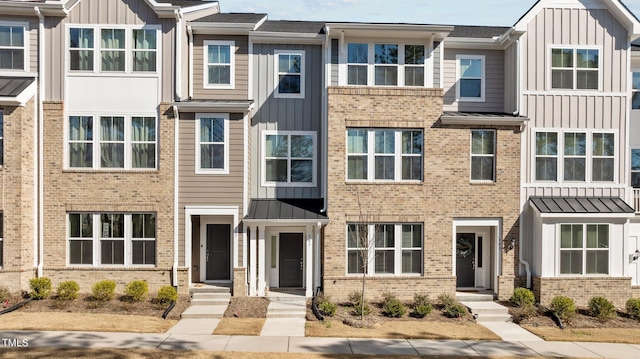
(81, 49)
(289, 158)
(219, 64)
(386, 65)
(357, 64)
(290, 74)
(483, 152)
(212, 139)
(635, 91)
(414, 60)
(575, 69)
(144, 50)
(112, 51)
(12, 47)
(471, 78)
(375, 64)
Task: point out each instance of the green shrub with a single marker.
(563, 307)
(360, 310)
(355, 297)
(104, 290)
(421, 306)
(67, 290)
(40, 288)
(633, 307)
(4, 294)
(455, 311)
(602, 308)
(167, 294)
(446, 300)
(326, 307)
(137, 290)
(392, 307)
(522, 297)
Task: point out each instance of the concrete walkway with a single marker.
(286, 316)
(381, 347)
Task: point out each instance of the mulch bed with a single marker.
(247, 307)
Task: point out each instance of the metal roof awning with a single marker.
(286, 210)
(612, 207)
(242, 106)
(482, 118)
(16, 91)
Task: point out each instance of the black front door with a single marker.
(291, 260)
(218, 255)
(465, 260)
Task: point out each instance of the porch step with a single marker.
(474, 297)
(207, 302)
(488, 311)
(287, 307)
(205, 288)
(204, 312)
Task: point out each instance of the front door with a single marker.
(465, 259)
(218, 255)
(291, 260)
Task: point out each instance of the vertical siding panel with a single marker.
(575, 26)
(539, 55)
(557, 24)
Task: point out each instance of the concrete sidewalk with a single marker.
(465, 348)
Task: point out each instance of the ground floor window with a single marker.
(384, 249)
(1, 239)
(584, 249)
(106, 239)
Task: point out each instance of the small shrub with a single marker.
(67, 290)
(355, 297)
(326, 307)
(421, 306)
(104, 290)
(137, 290)
(446, 300)
(392, 307)
(602, 308)
(167, 294)
(360, 310)
(4, 294)
(40, 288)
(563, 307)
(522, 297)
(455, 311)
(633, 307)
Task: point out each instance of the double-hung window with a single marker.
(384, 154)
(384, 248)
(575, 68)
(635, 91)
(12, 46)
(212, 143)
(386, 64)
(144, 50)
(483, 155)
(635, 168)
(471, 78)
(81, 49)
(289, 158)
(112, 50)
(124, 142)
(357, 64)
(374, 64)
(414, 62)
(584, 249)
(219, 64)
(603, 167)
(546, 156)
(111, 239)
(290, 80)
(575, 156)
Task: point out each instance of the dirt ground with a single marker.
(581, 320)
(247, 307)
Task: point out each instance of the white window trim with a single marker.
(493, 155)
(212, 171)
(589, 157)
(276, 71)
(371, 155)
(483, 78)
(343, 76)
(232, 64)
(584, 250)
(397, 249)
(575, 90)
(27, 58)
(97, 239)
(634, 91)
(97, 51)
(263, 160)
(128, 149)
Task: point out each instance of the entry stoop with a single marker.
(488, 311)
(208, 302)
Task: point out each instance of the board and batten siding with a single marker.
(105, 12)
(437, 64)
(285, 114)
(494, 81)
(208, 189)
(241, 68)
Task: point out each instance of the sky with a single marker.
(448, 12)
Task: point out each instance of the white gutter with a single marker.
(178, 65)
(176, 218)
(523, 140)
(39, 141)
(190, 70)
(324, 113)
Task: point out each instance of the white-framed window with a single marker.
(219, 64)
(385, 64)
(13, 46)
(384, 154)
(635, 167)
(114, 49)
(575, 68)
(584, 249)
(120, 142)
(1, 239)
(470, 75)
(635, 90)
(585, 156)
(384, 248)
(289, 158)
(111, 239)
(483, 155)
(212, 143)
(290, 74)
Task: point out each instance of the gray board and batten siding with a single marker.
(285, 114)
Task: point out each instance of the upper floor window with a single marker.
(635, 91)
(219, 64)
(384, 154)
(289, 158)
(144, 50)
(471, 78)
(584, 249)
(635, 168)
(112, 50)
(12, 47)
(483, 152)
(125, 142)
(575, 69)
(584, 156)
(385, 64)
(290, 74)
(212, 143)
(81, 49)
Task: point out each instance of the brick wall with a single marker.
(445, 193)
(582, 289)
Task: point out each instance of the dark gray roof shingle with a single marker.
(233, 18)
(581, 205)
(310, 27)
(13, 86)
(185, 3)
(478, 32)
(293, 209)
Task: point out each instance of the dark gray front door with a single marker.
(218, 254)
(465, 260)
(291, 260)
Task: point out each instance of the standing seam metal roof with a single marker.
(586, 205)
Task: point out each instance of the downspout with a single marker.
(176, 218)
(324, 113)
(190, 70)
(178, 65)
(40, 147)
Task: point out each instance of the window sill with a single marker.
(74, 73)
(106, 171)
(219, 87)
(395, 183)
(482, 183)
(385, 276)
(288, 185)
